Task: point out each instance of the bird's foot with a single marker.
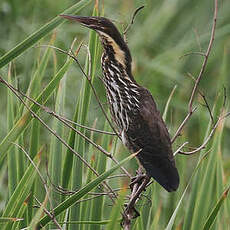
(132, 212)
(137, 179)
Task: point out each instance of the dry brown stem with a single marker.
(198, 79)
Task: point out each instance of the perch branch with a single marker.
(205, 57)
(202, 146)
(198, 79)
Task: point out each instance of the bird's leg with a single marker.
(138, 178)
(130, 211)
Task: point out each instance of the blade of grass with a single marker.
(56, 147)
(86, 207)
(33, 91)
(23, 122)
(90, 222)
(20, 159)
(210, 220)
(199, 178)
(68, 162)
(84, 101)
(116, 211)
(98, 204)
(37, 35)
(173, 217)
(21, 192)
(12, 154)
(38, 215)
(168, 102)
(34, 87)
(21, 213)
(206, 197)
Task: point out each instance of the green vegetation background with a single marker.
(162, 33)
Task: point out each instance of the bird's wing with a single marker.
(157, 129)
(156, 155)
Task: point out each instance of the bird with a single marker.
(132, 107)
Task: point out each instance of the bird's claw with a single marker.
(135, 213)
(136, 180)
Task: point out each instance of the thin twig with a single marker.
(132, 20)
(198, 79)
(46, 109)
(207, 106)
(51, 215)
(178, 132)
(136, 195)
(98, 100)
(46, 126)
(91, 85)
(168, 101)
(193, 53)
(86, 127)
(116, 190)
(34, 165)
(89, 57)
(41, 178)
(202, 146)
(204, 98)
(116, 176)
(178, 150)
(90, 198)
(80, 134)
(54, 133)
(205, 58)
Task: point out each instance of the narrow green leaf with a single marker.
(116, 211)
(56, 147)
(21, 192)
(210, 220)
(21, 213)
(37, 35)
(205, 196)
(173, 217)
(168, 102)
(20, 160)
(23, 122)
(86, 207)
(12, 154)
(37, 216)
(68, 162)
(83, 108)
(35, 83)
(101, 159)
(91, 222)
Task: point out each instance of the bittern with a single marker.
(132, 106)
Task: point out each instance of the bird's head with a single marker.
(109, 35)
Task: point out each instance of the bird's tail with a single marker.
(163, 170)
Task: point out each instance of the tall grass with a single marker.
(41, 168)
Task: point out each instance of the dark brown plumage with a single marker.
(132, 106)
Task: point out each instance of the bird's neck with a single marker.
(117, 52)
(116, 65)
(122, 91)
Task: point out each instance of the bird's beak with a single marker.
(90, 22)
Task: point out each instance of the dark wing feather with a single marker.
(153, 138)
